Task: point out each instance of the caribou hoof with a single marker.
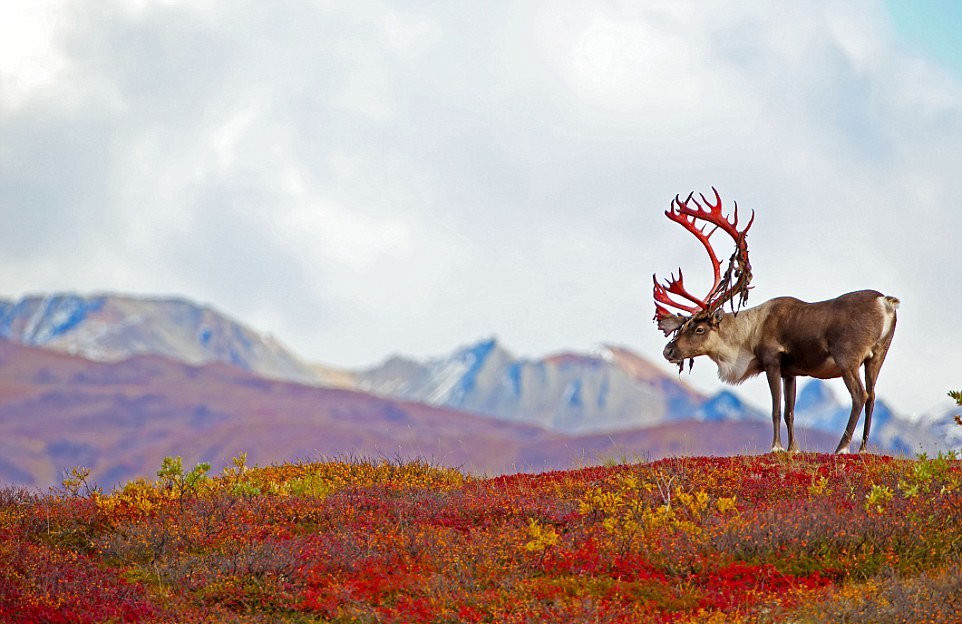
(777, 449)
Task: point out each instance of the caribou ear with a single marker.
(670, 323)
(716, 316)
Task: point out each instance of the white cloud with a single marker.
(362, 178)
(30, 59)
(331, 232)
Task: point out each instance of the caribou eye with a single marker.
(699, 330)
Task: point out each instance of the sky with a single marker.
(366, 178)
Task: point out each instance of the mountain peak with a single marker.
(723, 406)
(39, 320)
(109, 328)
(566, 392)
(816, 395)
(481, 349)
(633, 364)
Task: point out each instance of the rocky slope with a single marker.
(571, 393)
(110, 328)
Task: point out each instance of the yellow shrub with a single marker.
(541, 537)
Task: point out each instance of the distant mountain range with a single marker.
(110, 328)
(120, 419)
(613, 390)
(563, 401)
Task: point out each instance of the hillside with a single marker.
(568, 393)
(773, 538)
(610, 390)
(115, 383)
(59, 411)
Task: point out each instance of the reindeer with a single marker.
(783, 338)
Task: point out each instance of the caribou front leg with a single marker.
(789, 383)
(775, 385)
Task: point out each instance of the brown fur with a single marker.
(787, 338)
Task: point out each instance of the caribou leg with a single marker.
(872, 368)
(859, 396)
(789, 383)
(774, 384)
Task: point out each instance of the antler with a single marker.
(725, 287)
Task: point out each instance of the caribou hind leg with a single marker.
(874, 364)
(855, 388)
(872, 368)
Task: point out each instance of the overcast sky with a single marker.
(364, 178)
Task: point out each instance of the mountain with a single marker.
(120, 419)
(613, 390)
(110, 328)
(117, 382)
(947, 425)
(728, 406)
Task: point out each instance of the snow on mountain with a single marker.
(949, 428)
(818, 407)
(728, 406)
(110, 328)
(571, 393)
(938, 424)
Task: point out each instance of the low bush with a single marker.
(765, 538)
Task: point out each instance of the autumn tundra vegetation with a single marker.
(771, 538)
(781, 537)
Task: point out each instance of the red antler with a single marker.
(725, 287)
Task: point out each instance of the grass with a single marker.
(774, 538)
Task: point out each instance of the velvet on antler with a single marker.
(727, 286)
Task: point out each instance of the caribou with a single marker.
(783, 338)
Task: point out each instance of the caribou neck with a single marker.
(739, 334)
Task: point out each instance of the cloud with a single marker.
(372, 177)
